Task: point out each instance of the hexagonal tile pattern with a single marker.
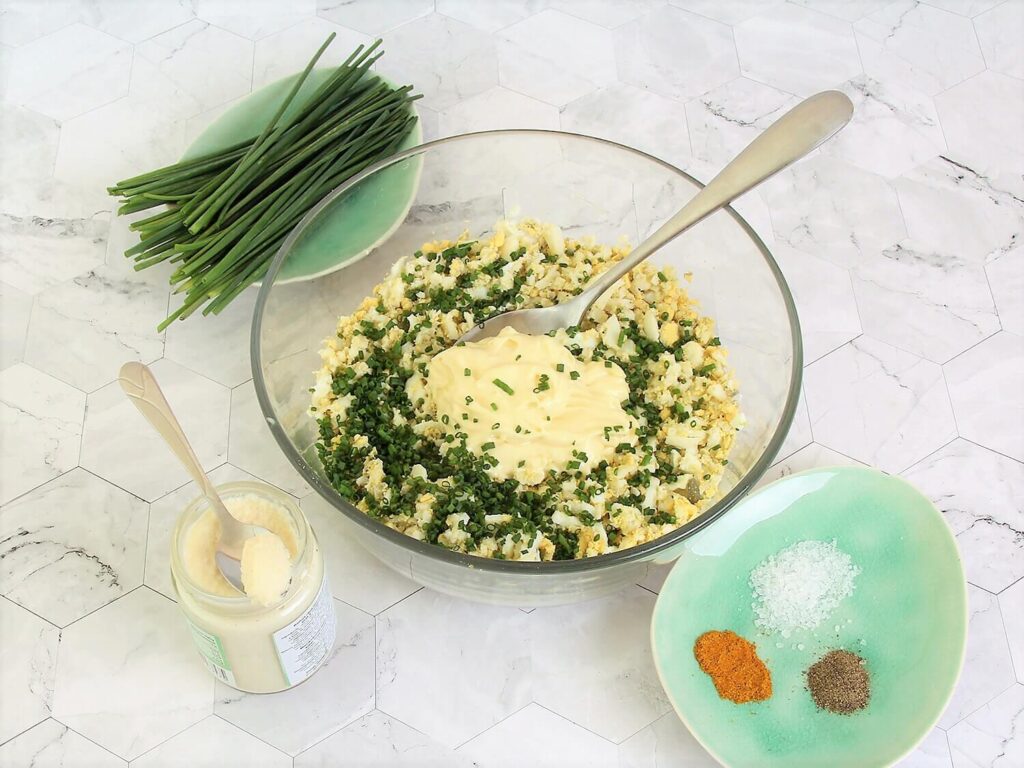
(1006, 278)
(497, 108)
(36, 137)
(288, 51)
(831, 209)
(77, 529)
(39, 251)
(733, 12)
(15, 308)
(69, 72)
(799, 435)
(932, 752)
(934, 304)
(991, 736)
(30, 658)
(952, 207)
(53, 744)
(130, 689)
(492, 16)
(26, 20)
(252, 448)
(555, 57)
(356, 576)
(212, 743)
(878, 404)
(119, 444)
(43, 417)
(540, 735)
(112, 313)
(725, 119)
(1011, 605)
(977, 492)
(675, 53)
(372, 18)
(988, 669)
(486, 678)
(985, 385)
(622, 700)
(824, 301)
(138, 20)
(968, 8)
(447, 60)
(634, 117)
(217, 346)
(339, 693)
(255, 18)
(607, 13)
(666, 742)
(796, 49)
(915, 44)
(379, 740)
(851, 10)
(998, 33)
(812, 456)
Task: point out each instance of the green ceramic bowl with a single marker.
(336, 241)
(907, 618)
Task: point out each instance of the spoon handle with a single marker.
(805, 127)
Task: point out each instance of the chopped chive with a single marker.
(560, 367)
(662, 277)
(574, 375)
(467, 372)
(487, 446)
(502, 386)
(494, 406)
(705, 370)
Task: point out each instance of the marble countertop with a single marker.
(901, 240)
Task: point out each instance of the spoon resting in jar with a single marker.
(804, 128)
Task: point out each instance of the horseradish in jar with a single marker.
(282, 629)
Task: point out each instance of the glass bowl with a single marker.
(586, 186)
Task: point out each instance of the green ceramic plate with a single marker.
(907, 618)
(370, 215)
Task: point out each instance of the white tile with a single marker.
(213, 743)
(379, 741)
(834, 210)
(732, 12)
(485, 676)
(933, 303)
(665, 743)
(851, 10)
(69, 72)
(608, 683)
(824, 300)
(43, 418)
(217, 346)
(29, 142)
(491, 16)
(918, 45)
(252, 447)
(289, 51)
(129, 676)
(119, 444)
(991, 737)
(893, 129)
(370, 17)
(799, 435)
(812, 456)
(356, 576)
(967, 8)
(15, 308)
(878, 404)
(634, 117)
(999, 32)
(448, 61)
(1006, 278)
(555, 57)
(137, 20)
(22, 21)
(797, 49)
(727, 118)
(985, 385)
(675, 53)
(338, 693)
(978, 492)
(988, 670)
(952, 207)
(52, 745)
(497, 108)
(607, 13)
(656, 575)
(933, 752)
(1011, 605)
(37, 251)
(30, 658)
(77, 529)
(542, 739)
(254, 19)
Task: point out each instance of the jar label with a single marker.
(303, 645)
(212, 651)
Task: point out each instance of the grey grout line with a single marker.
(250, 733)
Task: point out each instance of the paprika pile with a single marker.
(733, 665)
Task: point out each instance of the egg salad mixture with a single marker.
(588, 440)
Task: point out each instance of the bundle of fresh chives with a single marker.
(228, 212)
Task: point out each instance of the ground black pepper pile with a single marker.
(839, 682)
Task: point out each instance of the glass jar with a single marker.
(253, 647)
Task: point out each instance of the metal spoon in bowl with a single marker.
(804, 128)
(140, 385)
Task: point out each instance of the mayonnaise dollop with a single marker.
(527, 402)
